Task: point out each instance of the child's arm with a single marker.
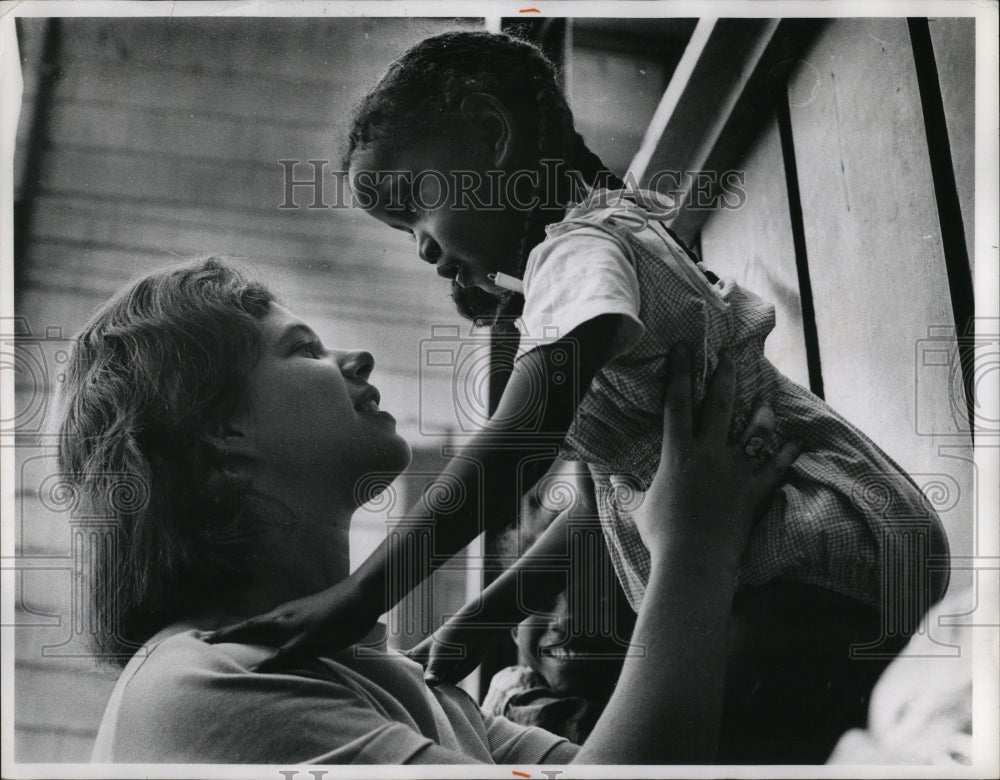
(529, 586)
(530, 422)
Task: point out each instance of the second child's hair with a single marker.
(428, 83)
(155, 366)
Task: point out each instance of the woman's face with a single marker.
(309, 413)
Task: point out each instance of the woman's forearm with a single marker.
(667, 706)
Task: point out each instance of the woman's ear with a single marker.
(491, 117)
(225, 438)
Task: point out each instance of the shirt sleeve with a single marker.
(574, 277)
(511, 743)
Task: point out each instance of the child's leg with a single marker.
(792, 687)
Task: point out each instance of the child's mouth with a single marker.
(560, 653)
(451, 271)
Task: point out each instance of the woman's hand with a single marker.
(322, 622)
(696, 521)
(707, 488)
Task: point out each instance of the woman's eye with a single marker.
(312, 348)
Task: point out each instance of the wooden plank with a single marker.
(103, 269)
(50, 746)
(317, 49)
(346, 233)
(41, 525)
(361, 253)
(753, 245)
(954, 42)
(175, 86)
(724, 53)
(713, 107)
(875, 255)
(396, 340)
(613, 96)
(31, 33)
(121, 128)
(82, 170)
(46, 694)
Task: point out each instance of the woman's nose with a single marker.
(357, 364)
(428, 249)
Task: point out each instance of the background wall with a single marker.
(143, 140)
(873, 246)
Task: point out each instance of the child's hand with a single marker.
(702, 500)
(327, 621)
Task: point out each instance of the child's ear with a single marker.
(491, 117)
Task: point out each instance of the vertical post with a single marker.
(549, 35)
(779, 96)
(956, 253)
(24, 209)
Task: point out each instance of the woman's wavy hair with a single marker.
(150, 372)
(427, 84)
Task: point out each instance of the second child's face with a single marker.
(573, 664)
(446, 193)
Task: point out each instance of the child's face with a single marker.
(309, 415)
(446, 192)
(571, 663)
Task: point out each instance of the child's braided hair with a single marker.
(428, 83)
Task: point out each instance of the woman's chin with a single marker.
(405, 456)
(396, 456)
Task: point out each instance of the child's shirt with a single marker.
(847, 518)
(522, 696)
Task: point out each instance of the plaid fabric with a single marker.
(848, 518)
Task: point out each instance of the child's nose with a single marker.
(429, 249)
(357, 364)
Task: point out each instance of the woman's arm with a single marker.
(696, 523)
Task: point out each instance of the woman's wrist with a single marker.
(695, 560)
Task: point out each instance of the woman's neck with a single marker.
(290, 561)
